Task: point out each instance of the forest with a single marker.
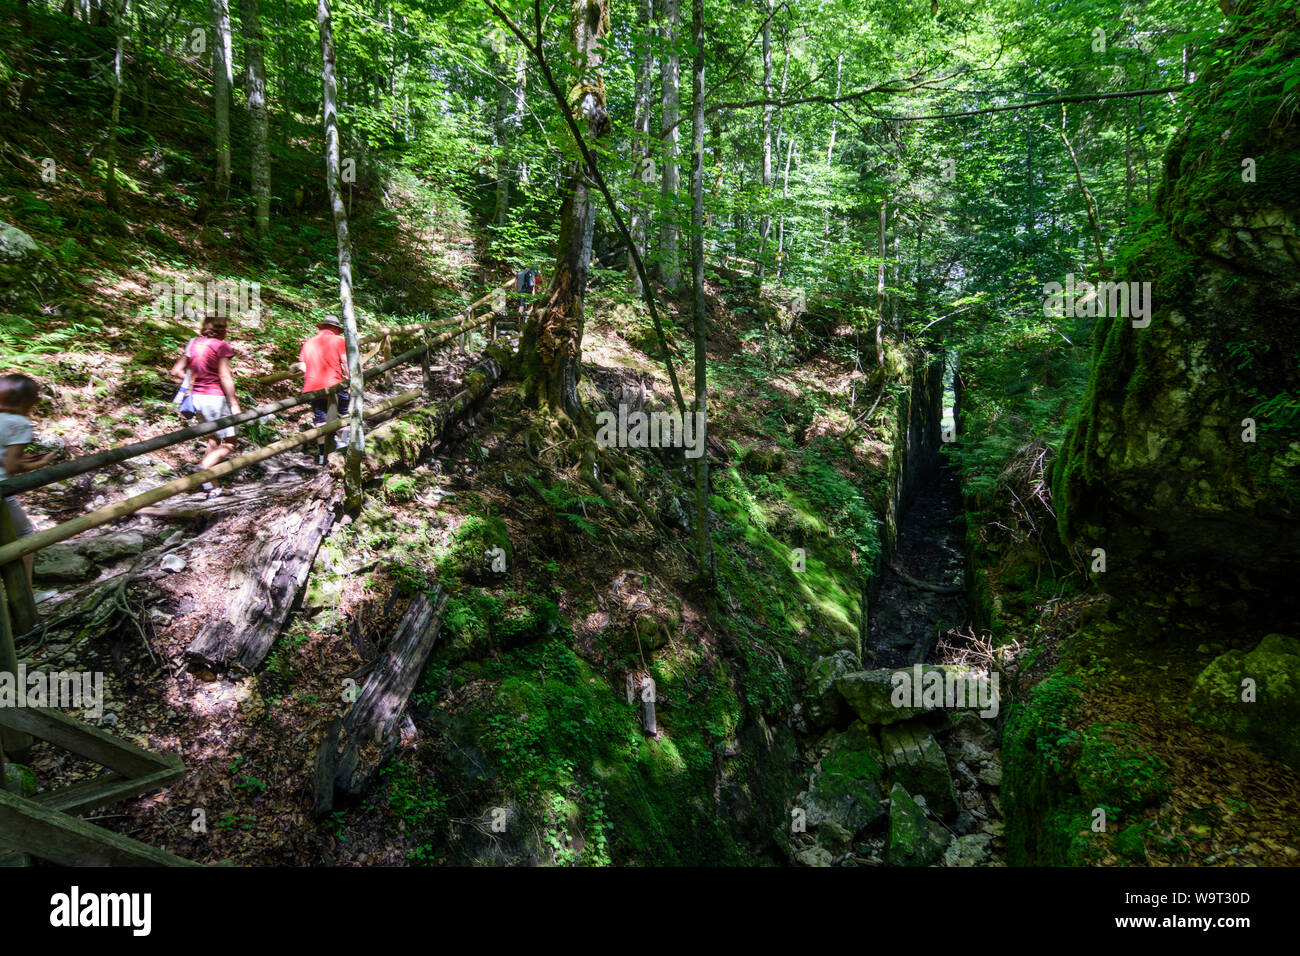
(636, 433)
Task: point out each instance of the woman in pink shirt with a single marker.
(208, 358)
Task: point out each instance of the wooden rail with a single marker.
(45, 826)
(384, 337)
(79, 466)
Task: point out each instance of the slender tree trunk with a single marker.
(222, 81)
(1087, 194)
(356, 441)
(765, 225)
(670, 269)
(639, 227)
(510, 113)
(551, 344)
(1029, 171)
(259, 118)
(880, 290)
(703, 535)
(115, 113)
(785, 193)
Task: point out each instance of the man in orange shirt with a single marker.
(323, 361)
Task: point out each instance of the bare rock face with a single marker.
(1184, 464)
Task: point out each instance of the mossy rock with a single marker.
(1131, 843)
(916, 760)
(1271, 721)
(762, 460)
(20, 779)
(116, 225)
(474, 550)
(913, 839)
(848, 791)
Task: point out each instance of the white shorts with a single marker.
(214, 407)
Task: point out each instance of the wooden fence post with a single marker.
(469, 317)
(18, 589)
(387, 352)
(14, 742)
(425, 366)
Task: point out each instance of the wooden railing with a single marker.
(21, 604)
(45, 825)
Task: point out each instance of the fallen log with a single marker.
(357, 745)
(268, 579)
(404, 440)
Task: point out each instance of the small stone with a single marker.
(173, 563)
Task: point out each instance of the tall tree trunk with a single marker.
(222, 81)
(785, 193)
(329, 81)
(765, 225)
(511, 77)
(551, 344)
(259, 118)
(639, 227)
(880, 289)
(115, 113)
(703, 536)
(1089, 202)
(670, 269)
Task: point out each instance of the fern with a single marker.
(562, 502)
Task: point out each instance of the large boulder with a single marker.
(1271, 720)
(914, 840)
(1192, 503)
(847, 792)
(29, 274)
(822, 700)
(61, 564)
(916, 760)
(108, 548)
(877, 697)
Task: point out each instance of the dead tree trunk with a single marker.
(358, 745)
(267, 581)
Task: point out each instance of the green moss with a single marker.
(1114, 770)
(1044, 812)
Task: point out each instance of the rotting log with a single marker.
(357, 746)
(404, 441)
(267, 579)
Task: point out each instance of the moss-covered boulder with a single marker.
(761, 460)
(29, 274)
(848, 791)
(1184, 463)
(916, 760)
(823, 703)
(878, 697)
(1254, 696)
(913, 839)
